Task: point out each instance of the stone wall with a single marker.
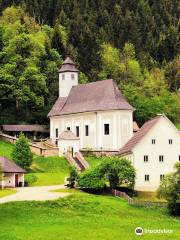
(40, 151)
(99, 153)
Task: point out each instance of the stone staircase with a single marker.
(78, 161)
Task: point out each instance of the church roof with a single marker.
(68, 66)
(68, 135)
(95, 96)
(127, 148)
(8, 166)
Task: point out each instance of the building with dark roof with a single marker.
(13, 175)
(96, 112)
(33, 130)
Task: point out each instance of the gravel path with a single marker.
(35, 193)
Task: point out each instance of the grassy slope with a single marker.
(49, 170)
(6, 192)
(82, 216)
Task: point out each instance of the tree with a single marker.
(113, 170)
(170, 190)
(21, 153)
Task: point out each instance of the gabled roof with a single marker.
(24, 128)
(127, 148)
(95, 96)
(9, 166)
(68, 135)
(68, 66)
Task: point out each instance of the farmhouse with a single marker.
(153, 150)
(13, 175)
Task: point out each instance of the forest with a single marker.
(135, 42)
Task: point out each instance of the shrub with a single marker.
(73, 177)
(118, 171)
(30, 179)
(21, 153)
(170, 190)
(91, 179)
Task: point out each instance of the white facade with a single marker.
(120, 124)
(68, 145)
(162, 132)
(66, 81)
(9, 180)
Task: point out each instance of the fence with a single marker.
(131, 201)
(46, 152)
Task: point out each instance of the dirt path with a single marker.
(35, 193)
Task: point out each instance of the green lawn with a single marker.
(83, 216)
(6, 192)
(49, 170)
(6, 149)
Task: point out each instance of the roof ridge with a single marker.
(138, 136)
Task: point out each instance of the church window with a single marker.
(86, 130)
(106, 129)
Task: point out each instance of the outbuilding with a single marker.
(68, 143)
(12, 174)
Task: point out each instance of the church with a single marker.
(96, 113)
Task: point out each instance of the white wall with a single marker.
(66, 84)
(120, 122)
(161, 132)
(9, 179)
(64, 145)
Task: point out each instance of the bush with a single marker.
(92, 180)
(118, 171)
(73, 177)
(30, 179)
(170, 190)
(21, 153)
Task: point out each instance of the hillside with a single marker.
(134, 42)
(47, 170)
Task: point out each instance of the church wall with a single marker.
(120, 128)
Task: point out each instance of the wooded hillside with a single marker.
(134, 42)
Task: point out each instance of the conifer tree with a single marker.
(22, 154)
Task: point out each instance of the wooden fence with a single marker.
(132, 201)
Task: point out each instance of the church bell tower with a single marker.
(68, 77)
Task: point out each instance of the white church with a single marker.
(96, 116)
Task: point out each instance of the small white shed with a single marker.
(68, 142)
(13, 175)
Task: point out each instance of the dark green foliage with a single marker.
(170, 190)
(113, 170)
(21, 153)
(72, 177)
(129, 41)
